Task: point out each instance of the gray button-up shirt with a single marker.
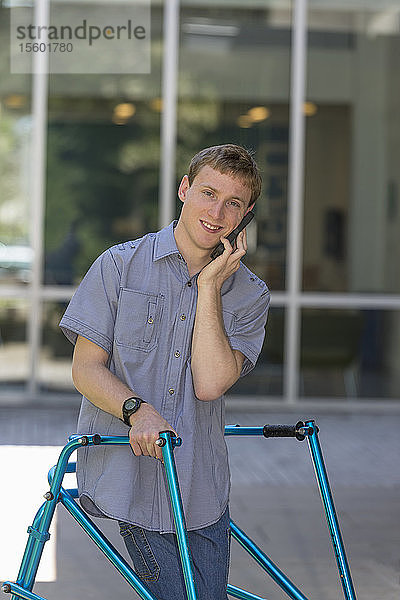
(138, 302)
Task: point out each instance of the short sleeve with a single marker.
(249, 331)
(92, 310)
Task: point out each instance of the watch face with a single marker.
(130, 404)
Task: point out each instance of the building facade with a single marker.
(88, 160)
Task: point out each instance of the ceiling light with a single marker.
(124, 111)
(157, 104)
(310, 109)
(244, 121)
(258, 113)
(15, 101)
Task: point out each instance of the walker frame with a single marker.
(38, 532)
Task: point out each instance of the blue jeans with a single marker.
(156, 560)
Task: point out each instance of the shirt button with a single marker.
(171, 391)
(150, 320)
(189, 284)
(177, 354)
(183, 317)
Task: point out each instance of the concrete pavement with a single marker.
(274, 499)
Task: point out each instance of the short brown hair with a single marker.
(229, 159)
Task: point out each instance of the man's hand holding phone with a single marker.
(225, 259)
(218, 270)
(218, 250)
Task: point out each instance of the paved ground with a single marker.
(274, 498)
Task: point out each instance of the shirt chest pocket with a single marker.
(138, 320)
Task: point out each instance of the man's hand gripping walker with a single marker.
(38, 532)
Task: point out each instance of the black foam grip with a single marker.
(279, 431)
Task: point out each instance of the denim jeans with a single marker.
(156, 560)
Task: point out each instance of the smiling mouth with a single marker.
(209, 227)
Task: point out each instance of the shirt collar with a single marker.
(165, 242)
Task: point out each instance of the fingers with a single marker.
(241, 246)
(242, 240)
(158, 449)
(231, 255)
(136, 449)
(227, 246)
(218, 270)
(144, 432)
(241, 243)
(146, 445)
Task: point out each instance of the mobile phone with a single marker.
(218, 250)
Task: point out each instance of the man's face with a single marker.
(213, 206)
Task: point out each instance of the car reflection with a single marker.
(15, 263)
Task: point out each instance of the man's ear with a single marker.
(183, 188)
(249, 208)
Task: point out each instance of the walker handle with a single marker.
(299, 431)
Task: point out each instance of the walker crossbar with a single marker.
(38, 533)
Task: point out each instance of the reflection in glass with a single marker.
(16, 255)
(14, 351)
(327, 199)
(15, 263)
(352, 180)
(234, 87)
(266, 379)
(56, 351)
(102, 187)
(350, 353)
(103, 156)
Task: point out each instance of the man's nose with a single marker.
(216, 210)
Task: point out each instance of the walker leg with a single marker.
(39, 530)
(33, 552)
(327, 500)
(179, 518)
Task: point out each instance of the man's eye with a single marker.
(235, 204)
(207, 193)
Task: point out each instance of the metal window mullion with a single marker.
(350, 301)
(295, 201)
(169, 111)
(38, 177)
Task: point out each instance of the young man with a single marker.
(155, 320)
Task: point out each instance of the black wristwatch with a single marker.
(129, 407)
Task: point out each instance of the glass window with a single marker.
(14, 349)
(56, 351)
(103, 155)
(15, 139)
(102, 188)
(352, 181)
(350, 353)
(233, 87)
